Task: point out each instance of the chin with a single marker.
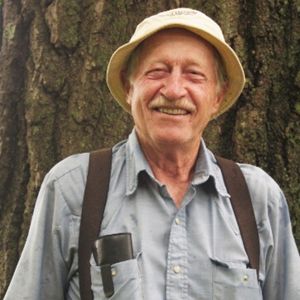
(169, 138)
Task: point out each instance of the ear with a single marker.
(127, 86)
(220, 97)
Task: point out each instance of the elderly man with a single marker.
(166, 189)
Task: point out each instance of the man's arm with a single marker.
(282, 260)
(44, 266)
(279, 259)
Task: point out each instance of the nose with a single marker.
(173, 87)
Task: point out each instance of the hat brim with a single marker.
(234, 70)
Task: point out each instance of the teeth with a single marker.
(173, 111)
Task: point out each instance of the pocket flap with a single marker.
(234, 274)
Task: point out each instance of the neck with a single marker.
(174, 163)
(173, 166)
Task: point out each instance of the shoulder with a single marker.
(68, 179)
(258, 180)
(266, 195)
(74, 163)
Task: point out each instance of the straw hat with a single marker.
(189, 19)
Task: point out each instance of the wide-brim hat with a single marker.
(191, 20)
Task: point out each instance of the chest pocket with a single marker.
(234, 282)
(126, 280)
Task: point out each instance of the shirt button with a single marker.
(177, 269)
(113, 272)
(177, 221)
(245, 278)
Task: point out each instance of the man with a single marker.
(166, 189)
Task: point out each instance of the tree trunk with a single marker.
(54, 100)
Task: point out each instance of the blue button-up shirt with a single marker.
(191, 252)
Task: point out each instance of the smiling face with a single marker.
(173, 89)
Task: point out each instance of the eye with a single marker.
(195, 75)
(194, 72)
(156, 73)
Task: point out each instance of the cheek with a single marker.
(141, 93)
(137, 109)
(139, 102)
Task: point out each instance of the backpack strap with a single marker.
(242, 206)
(92, 213)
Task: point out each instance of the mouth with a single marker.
(172, 111)
(180, 107)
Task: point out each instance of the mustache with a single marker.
(163, 102)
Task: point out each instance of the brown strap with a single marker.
(242, 207)
(95, 199)
(92, 213)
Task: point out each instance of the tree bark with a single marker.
(54, 100)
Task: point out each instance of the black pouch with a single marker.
(108, 250)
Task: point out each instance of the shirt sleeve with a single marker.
(279, 257)
(45, 263)
(282, 258)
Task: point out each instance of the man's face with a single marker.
(173, 89)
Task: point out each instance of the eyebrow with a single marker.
(188, 62)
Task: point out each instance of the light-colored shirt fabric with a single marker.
(194, 252)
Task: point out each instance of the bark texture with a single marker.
(54, 100)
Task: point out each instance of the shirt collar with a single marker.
(206, 166)
(136, 163)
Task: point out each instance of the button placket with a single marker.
(177, 259)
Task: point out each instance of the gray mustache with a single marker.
(163, 102)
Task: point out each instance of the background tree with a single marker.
(54, 100)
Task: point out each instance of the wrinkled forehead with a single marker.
(166, 34)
